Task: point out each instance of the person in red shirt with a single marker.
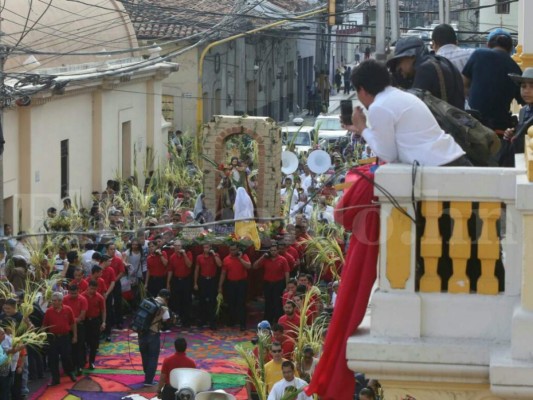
(289, 291)
(78, 280)
(179, 282)
(94, 319)
(78, 304)
(276, 276)
(287, 343)
(96, 275)
(290, 320)
(156, 273)
(235, 274)
(59, 322)
(119, 268)
(178, 360)
(283, 251)
(205, 275)
(109, 277)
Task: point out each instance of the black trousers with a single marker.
(110, 317)
(155, 284)
(273, 304)
(92, 336)
(59, 347)
(117, 304)
(78, 348)
(235, 292)
(208, 300)
(181, 298)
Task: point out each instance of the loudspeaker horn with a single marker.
(215, 395)
(189, 381)
(289, 162)
(319, 161)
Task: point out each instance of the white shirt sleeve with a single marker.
(380, 133)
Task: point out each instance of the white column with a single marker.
(525, 33)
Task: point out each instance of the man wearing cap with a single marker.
(60, 323)
(401, 127)
(179, 283)
(418, 69)
(79, 306)
(514, 137)
(487, 84)
(149, 341)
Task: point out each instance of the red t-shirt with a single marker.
(176, 360)
(290, 325)
(235, 271)
(207, 265)
(101, 288)
(286, 296)
(95, 305)
(118, 265)
(77, 304)
(294, 253)
(169, 251)
(108, 275)
(155, 266)
(82, 284)
(290, 260)
(275, 268)
(59, 322)
(287, 346)
(177, 265)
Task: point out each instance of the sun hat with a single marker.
(527, 76)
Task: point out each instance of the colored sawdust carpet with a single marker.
(118, 373)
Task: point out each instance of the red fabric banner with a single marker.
(332, 379)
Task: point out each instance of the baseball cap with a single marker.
(497, 32)
(164, 293)
(263, 325)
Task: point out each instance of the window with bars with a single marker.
(503, 6)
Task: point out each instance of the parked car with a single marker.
(329, 129)
(300, 138)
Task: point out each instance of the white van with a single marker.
(329, 129)
(299, 136)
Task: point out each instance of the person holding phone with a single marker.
(401, 128)
(234, 274)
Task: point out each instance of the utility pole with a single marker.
(380, 30)
(394, 20)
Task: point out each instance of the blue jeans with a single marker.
(149, 344)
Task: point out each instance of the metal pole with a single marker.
(441, 11)
(446, 11)
(380, 30)
(394, 20)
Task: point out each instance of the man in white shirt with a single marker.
(401, 128)
(288, 384)
(445, 44)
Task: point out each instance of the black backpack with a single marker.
(481, 144)
(145, 314)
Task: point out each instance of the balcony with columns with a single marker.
(452, 316)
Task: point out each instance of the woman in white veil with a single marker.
(245, 225)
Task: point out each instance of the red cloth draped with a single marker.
(332, 379)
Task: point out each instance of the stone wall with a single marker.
(268, 137)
